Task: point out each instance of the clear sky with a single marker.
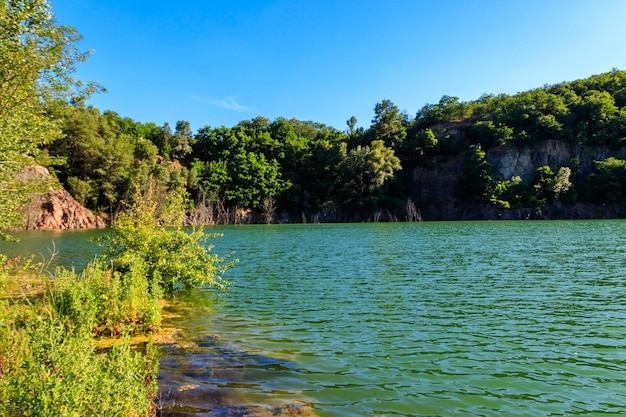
(219, 62)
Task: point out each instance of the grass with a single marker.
(52, 359)
(50, 364)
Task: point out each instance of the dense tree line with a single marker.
(293, 170)
(288, 169)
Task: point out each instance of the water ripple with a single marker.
(476, 319)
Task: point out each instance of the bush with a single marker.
(108, 302)
(49, 367)
(607, 182)
(171, 258)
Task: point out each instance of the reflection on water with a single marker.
(66, 248)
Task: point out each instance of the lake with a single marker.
(402, 319)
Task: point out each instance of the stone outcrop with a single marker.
(509, 161)
(55, 209)
(435, 193)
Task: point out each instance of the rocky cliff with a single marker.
(54, 208)
(435, 190)
(510, 161)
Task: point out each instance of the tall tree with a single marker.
(182, 140)
(351, 122)
(476, 179)
(164, 140)
(365, 170)
(38, 58)
(388, 124)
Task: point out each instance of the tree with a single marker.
(254, 179)
(319, 176)
(418, 148)
(182, 140)
(236, 167)
(356, 135)
(562, 185)
(543, 186)
(388, 124)
(38, 58)
(365, 170)
(351, 122)
(164, 140)
(489, 134)
(171, 258)
(508, 194)
(448, 109)
(476, 180)
(85, 134)
(100, 156)
(596, 115)
(607, 182)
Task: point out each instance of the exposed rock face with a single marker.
(36, 172)
(435, 190)
(55, 209)
(509, 161)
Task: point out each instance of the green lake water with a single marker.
(403, 319)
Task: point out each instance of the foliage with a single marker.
(242, 170)
(477, 179)
(37, 60)
(108, 156)
(388, 124)
(508, 194)
(489, 134)
(108, 302)
(419, 148)
(364, 171)
(448, 109)
(545, 188)
(607, 182)
(50, 367)
(170, 258)
(300, 167)
(49, 364)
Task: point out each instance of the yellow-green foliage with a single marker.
(49, 367)
(38, 58)
(107, 302)
(170, 257)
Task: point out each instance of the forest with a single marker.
(288, 170)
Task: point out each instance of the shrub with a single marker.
(49, 367)
(107, 302)
(170, 257)
(607, 182)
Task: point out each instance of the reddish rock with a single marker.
(55, 209)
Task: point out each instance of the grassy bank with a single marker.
(50, 323)
(49, 363)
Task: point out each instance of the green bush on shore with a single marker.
(49, 362)
(107, 302)
(49, 366)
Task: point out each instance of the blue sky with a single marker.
(219, 62)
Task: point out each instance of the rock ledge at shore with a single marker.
(55, 209)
